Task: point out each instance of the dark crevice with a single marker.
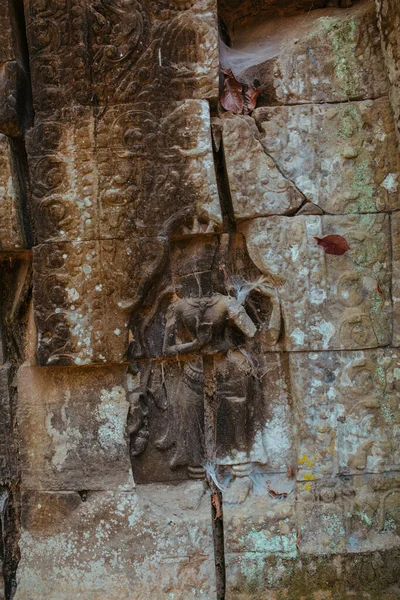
(210, 434)
(25, 102)
(225, 198)
(21, 171)
(15, 297)
(325, 103)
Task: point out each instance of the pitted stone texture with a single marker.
(7, 51)
(12, 236)
(343, 157)
(371, 508)
(263, 520)
(156, 170)
(321, 56)
(256, 185)
(63, 175)
(13, 86)
(328, 301)
(59, 58)
(349, 515)
(72, 429)
(158, 50)
(116, 545)
(389, 25)
(254, 576)
(347, 410)
(126, 170)
(133, 53)
(84, 293)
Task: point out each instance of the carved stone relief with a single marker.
(83, 301)
(330, 153)
(355, 428)
(203, 307)
(130, 52)
(197, 337)
(328, 302)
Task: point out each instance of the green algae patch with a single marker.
(342, 37)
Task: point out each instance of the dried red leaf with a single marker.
(232, 96)
(216, 504)
(333, 244)
(250, 97)
(379, 289)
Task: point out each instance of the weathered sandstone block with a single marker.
(153, 543)
(343, 157)
(329, 56)
(84, 293)
(123, 171)
(12, 206)
(256, 184)
(134, 50)
(72, 429)
(347, 407)
(328, 301)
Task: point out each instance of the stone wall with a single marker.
(200, 364)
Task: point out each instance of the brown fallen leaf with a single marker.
(236, 97)
(379, 289)
(250, 98)
(333, 244)
(291, 473)
(216, 504)
(232, 97)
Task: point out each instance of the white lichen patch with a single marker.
(62, 441)
(112, 413)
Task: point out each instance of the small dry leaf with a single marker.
(231, 97)
(216, 504)
(250, 97)
(379, 289)
(333, 244)
(236, 97)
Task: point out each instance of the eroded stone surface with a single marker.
(12, 235)
(156, 170)
(135, 51)
(228, 338)
(128, 170)
(328, 301)
(72, 429)
(389, 24)
(343, 157)
(348, 412)
(395, 221)
(8, 466)
(156, 542)
(84, 293)
(256, 185)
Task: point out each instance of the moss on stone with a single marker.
(342, 37)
